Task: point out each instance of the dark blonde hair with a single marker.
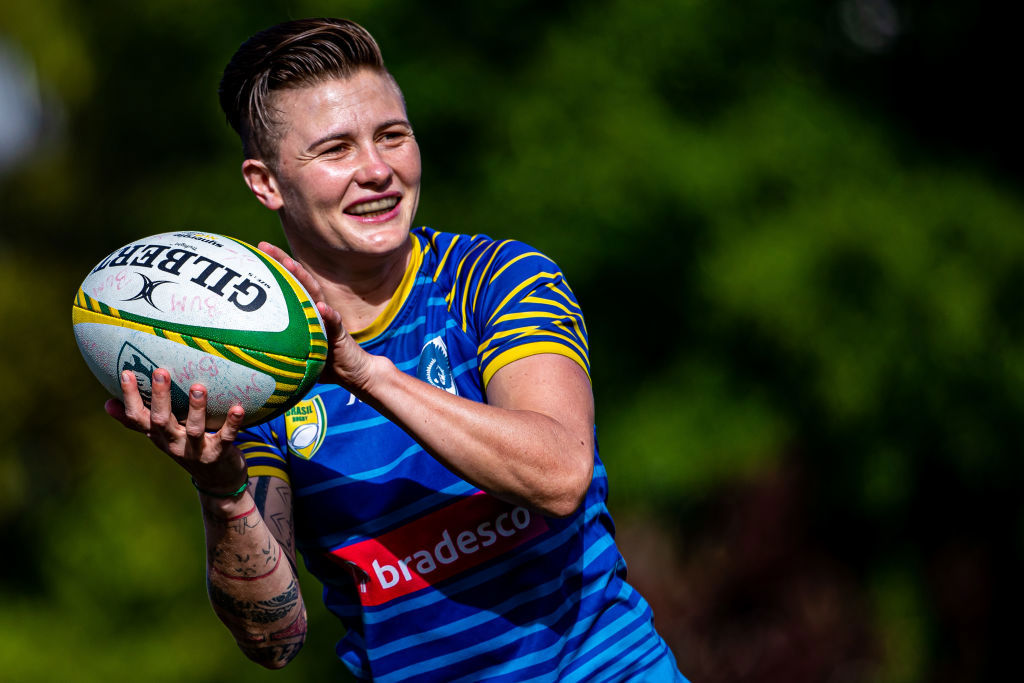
(293, 54)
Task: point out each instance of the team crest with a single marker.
(305, 426)
(130, 357)
(435, 368)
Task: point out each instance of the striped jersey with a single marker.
(433, 578)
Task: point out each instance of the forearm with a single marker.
(251, 581)
(525, 456)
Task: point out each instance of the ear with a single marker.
(263, 184)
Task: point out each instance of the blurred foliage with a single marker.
(795, 228)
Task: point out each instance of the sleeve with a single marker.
(263, 451)
(521, 306)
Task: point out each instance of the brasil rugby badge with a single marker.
(305, 427)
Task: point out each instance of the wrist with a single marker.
(371, 379)
(221, 494)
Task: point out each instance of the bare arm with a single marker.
(250, 566)
(530, 444)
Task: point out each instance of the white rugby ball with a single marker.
(210, 309)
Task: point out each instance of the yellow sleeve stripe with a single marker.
(444, 258)
(573, 319)
(528, 315)
(487, 268)
(524, 332)
(469, 282)
(568, 296)
(531, 299)
(517, 258)
(522, 285)
(265, 454)
(526, 350)
(251, 445)
(266, 471)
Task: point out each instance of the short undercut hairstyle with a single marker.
(294, 54)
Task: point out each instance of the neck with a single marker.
(359, 287)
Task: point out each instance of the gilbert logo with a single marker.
(247, 295)
(305, 426)
(146, 293)
(439, 546)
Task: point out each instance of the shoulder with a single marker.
(481, 258)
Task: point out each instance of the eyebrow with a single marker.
(338, 135)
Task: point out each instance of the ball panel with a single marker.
(111, 349)
(265, 385)
(203, 285)
(192, 278)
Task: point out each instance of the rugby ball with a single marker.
(210, 309)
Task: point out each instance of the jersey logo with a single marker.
(306, 425)
(435, 368)
(439, 546)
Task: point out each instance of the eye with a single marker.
(394, 136)
(333, 149)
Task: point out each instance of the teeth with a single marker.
(375, 206)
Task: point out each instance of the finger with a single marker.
(160, 405)
(281, 256)
(232, 423)
(195, 421)
(135, 413)
(332, 320)
(273, 251)
(311, 284)
(115, 409)
(295, 268)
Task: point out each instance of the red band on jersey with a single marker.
(438, 546)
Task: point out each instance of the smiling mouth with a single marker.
(372, 209)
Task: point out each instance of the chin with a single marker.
(385, 240)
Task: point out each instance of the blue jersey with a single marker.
(433, 578)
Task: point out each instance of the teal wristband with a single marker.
(237, 492)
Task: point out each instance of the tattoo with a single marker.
(259, 611)
(285, 493)
(238, 523)
(284, 529)
(250, 566)
(275, 653)
(296, 628)
(282, 526)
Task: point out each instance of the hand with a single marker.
(210, 457)
(348, 364)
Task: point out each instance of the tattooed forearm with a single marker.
(270, 655)
(247, 566)
(259, 611)
(293, 630)
(239, 523)
(282, 523)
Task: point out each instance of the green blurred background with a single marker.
(795, 229)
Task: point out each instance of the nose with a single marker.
(373, 169)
